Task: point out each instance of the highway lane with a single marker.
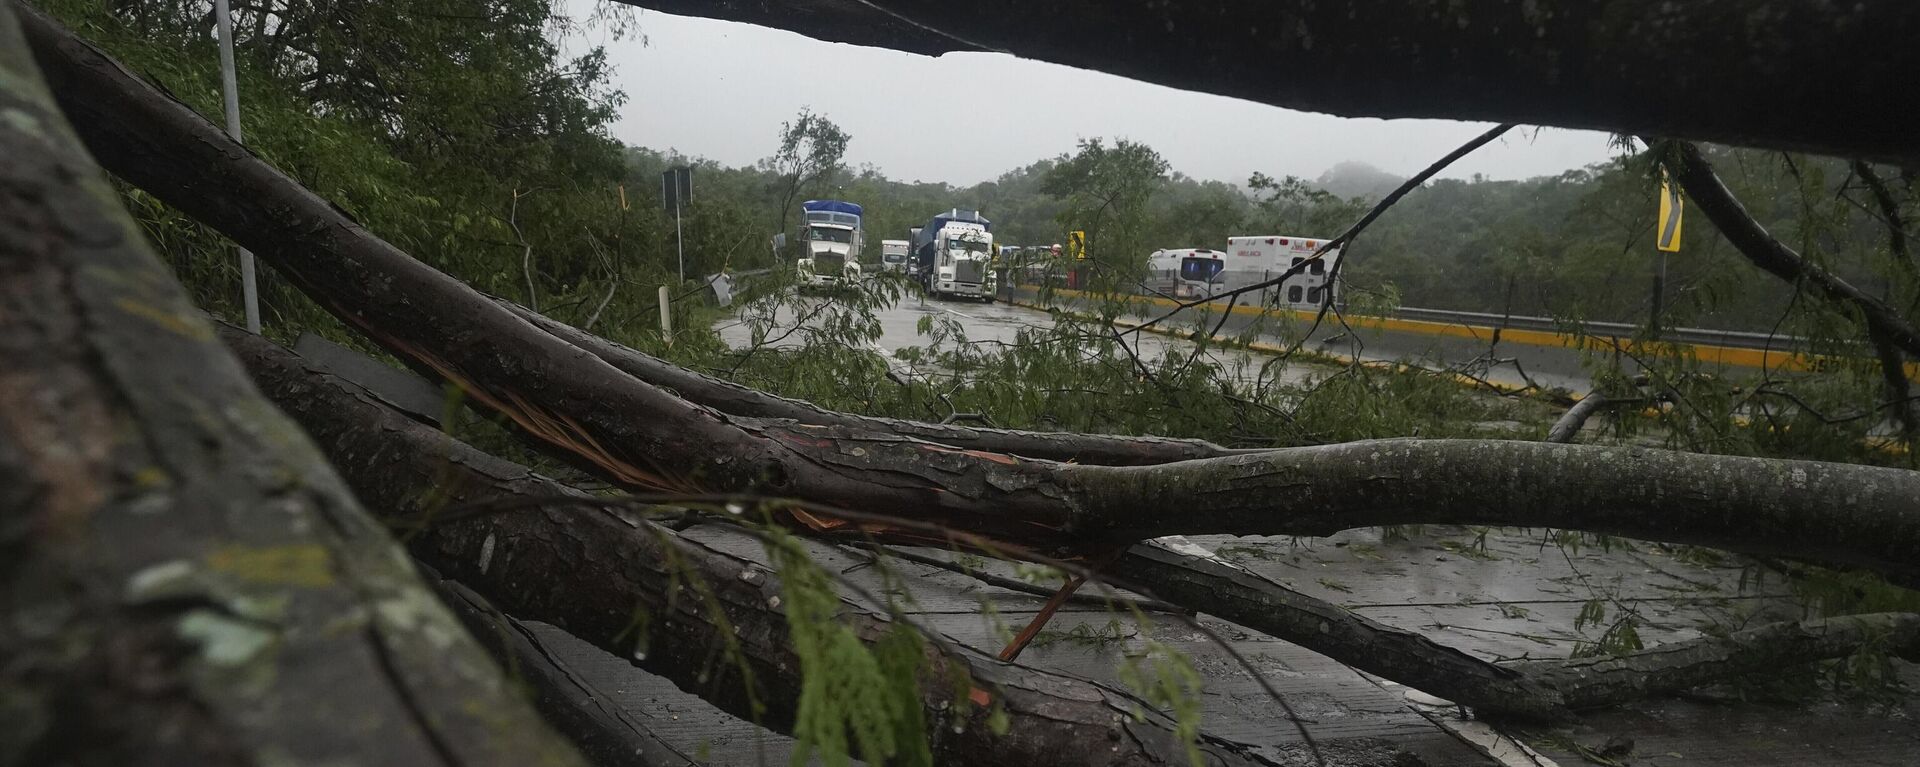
(997, 323)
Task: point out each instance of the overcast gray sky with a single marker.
(720, 90)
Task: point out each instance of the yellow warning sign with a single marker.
(1077, 245)
(1671, 206)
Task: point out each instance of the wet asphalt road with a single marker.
(1001, 322)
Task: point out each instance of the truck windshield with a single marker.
(1199, 269)
(832, 235)
(960, 247)
(894, 258)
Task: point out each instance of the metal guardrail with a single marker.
(1694, 336)
(1733, 339)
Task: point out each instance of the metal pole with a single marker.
(1659, 295)
(230, 92)
(680, 242)
(666, 315)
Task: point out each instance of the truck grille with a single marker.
(968, 271)
(829, 264)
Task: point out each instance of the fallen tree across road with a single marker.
(573, 403)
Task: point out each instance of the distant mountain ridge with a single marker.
(1352, 178)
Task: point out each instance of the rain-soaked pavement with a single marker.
(1001, 323)
(1509, 595)
(1501, 595)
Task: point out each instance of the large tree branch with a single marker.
(1542, 689)
(607, 735)
(186, 581)
(529, 561)
(1697, 177)
(1789, 74)
(1225, 590)
(1889, 216)
(1840, 513)
(1610, 680)
(1893, 365)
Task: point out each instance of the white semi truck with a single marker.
(832, 239)
(954, 254)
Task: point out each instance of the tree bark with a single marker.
(732, 398)
(1568, 426)
(1787, 74)
(186, 581)
(1893, 364)
(642, 436)
(625, 587)
(606, 735)
(1605, 681)
(1889, 216)
(1697, 177)
(1839, 513)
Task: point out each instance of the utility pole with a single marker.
(230, 93)
(676, 189)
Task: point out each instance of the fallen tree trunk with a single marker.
(186, 582)
(1218, 588)
(1787, 74)
(732, 398)
(1568, 426)
(421, 471)
(1609, 680)
(605, 734)
(1538, 690)
(643, 436)
(654, 596)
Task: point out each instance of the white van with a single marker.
(1252, 260)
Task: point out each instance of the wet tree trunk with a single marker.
(1788, 74)
(629, 588)
(1606, 681)
(186, 581)
(1536, 690)
(1228, 591)
(604, 733)
(642, 436)
(1568, 426)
